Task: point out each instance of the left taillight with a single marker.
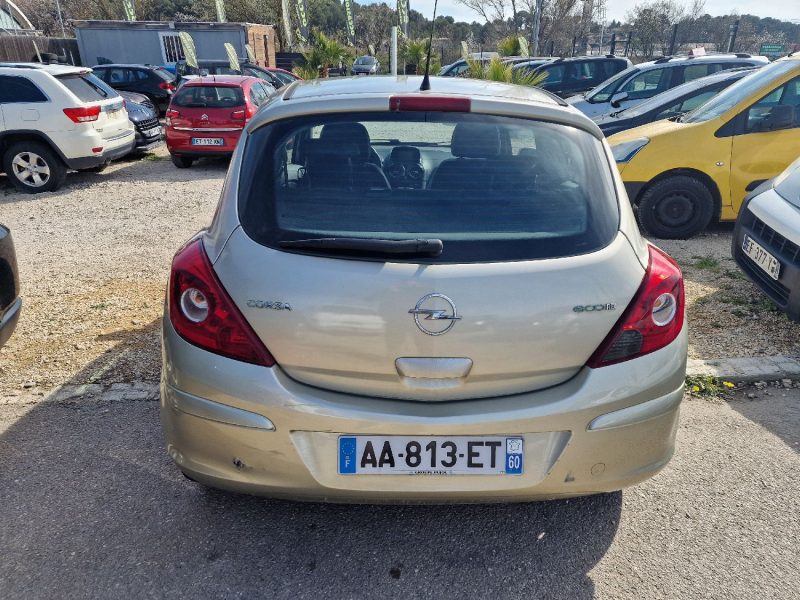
(203, 314)
(166, 85)
(653, 319)
(83, 114)
(171, 114)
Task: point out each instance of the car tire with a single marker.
(48, 173)
(182, 162)
(676, 208)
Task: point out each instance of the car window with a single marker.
(554, 74)
(612, 67)
(606, 89)
(585, 71)
(141, 74)
(257, 94)
(209, 96)
(492, 188)
(699, 70)
(786, 95)
(646, 84)
(686, 105)
(163, 73)
(87, 87)
(118, 75)
(19, 90)
(283, 78)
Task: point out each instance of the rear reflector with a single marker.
(97, 150)
(83, 114)
(653, 319)
(429, 103)
(203, 314)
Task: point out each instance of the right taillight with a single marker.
(83, 114)
(653, 319)
(171, 114)
(203, 314)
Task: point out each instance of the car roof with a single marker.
(54, 69)
(224, 80)
(675, 60)
(127, 66)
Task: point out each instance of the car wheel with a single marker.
(676, 208)
(182, 162)
(33, 167)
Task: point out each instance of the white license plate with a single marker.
(761, 257)
(114, 114)
(429, 455)
(208, 141)
(151, 132)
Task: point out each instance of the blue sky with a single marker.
(617, 9)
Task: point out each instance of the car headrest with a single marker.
(347, 134)
(475, 140)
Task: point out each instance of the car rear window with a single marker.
(163, 73)
(490, 188)
(209, 96)
(87, 87)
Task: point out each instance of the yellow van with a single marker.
(683, 173)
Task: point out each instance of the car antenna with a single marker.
(426, 81)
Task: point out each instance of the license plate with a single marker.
(428, 455)
(113, 114)
(152, 132)
(208, 141)
(761, 257)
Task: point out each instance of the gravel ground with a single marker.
(94, 259)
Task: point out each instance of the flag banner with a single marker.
(464, 50)
(220, 11)
(233, 60)
(251, 57)
(287, 22)
(402, 16)
(189, 52)
(302, 17)
(351, 24)
(371, 49)
(130, 13)
(523, 46)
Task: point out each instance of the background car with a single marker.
(10, 302)
(566, 77)
(645, 80)
(683, 173)
(276, 78)
(337, 336)
(460, 67)
(207, 115)
(55, 118)
(670, 104)
(155, 82)
(766, 239)
(365, 65)
(144, 116)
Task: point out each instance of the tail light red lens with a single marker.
(203, 314)
(239, 115)
(653, 319)
(171, 114)
(83, 114)
(166, 85)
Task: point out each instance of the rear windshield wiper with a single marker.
(425, 247)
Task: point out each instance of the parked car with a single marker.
(144, 116)
(672, 103)
(155, 82)
(766, 240)
(365, 65)
(685, 172)
(207, 115)
(566, 77)
(276, 78)
(10, 302)
(502, 332)
(645, 80)
(55, 118)
(460, 67)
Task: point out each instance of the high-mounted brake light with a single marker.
(429, 103)
(83, 114)
(653, 319)
(203, 314)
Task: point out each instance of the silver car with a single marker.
(434, 296)
(365, 65)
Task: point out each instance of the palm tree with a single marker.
(497, 71)
(415, 53)
(324, 53)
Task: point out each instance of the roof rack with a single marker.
(742, 55)
(663, 59)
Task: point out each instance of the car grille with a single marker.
(775, 241)
(148, 124)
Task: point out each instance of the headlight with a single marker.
(624, 151)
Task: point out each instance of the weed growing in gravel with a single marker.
(707, 386)
(735, 274)
(100, 306)
(153, 157)
(706, 263)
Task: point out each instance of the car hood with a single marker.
(649, 130)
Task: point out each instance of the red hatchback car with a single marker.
(207, 115)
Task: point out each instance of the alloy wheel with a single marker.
(31, 169)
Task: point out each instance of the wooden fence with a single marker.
(21, 48)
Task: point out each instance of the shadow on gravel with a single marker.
(777, 413)
(93, 508)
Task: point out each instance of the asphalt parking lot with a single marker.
(93, 508)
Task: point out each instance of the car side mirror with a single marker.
(780, 116)
(618, 98)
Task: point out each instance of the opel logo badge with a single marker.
(435, 307)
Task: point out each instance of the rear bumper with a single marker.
(8, 321)
(180, 143)
(253, 429)
(112, 150)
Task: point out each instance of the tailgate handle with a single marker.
(433, 367)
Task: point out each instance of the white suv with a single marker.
(58, 117)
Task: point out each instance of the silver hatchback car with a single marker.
(409, 296)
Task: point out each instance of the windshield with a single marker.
(489, 188)
(739, 91)
(605, 90)
(365, 60)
